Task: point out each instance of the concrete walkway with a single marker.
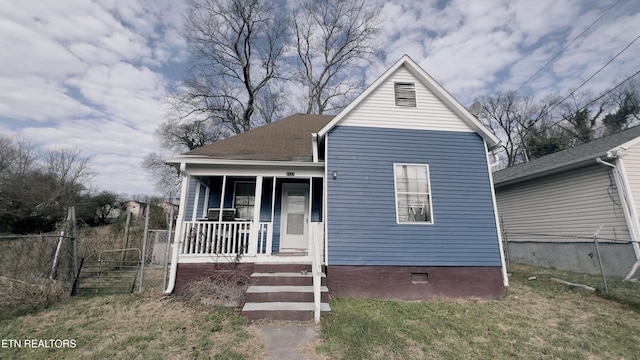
(289, 341)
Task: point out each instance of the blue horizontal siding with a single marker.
(201, 201)
(362, 228)
(191, 199)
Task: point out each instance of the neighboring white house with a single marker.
(593, 187)
(136, 208)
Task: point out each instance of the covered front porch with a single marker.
(237, 216)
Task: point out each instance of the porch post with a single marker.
(269, 245)
(310, 240)
(222, 195)
(255, 226)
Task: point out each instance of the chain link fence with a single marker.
(157, 259)
(38, 270)
(607, 266)
(35, 270)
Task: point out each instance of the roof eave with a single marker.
(554, 170)
(206, 160)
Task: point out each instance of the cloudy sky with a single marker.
(93, 74)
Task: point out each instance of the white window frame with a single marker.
(395, 185)
(395, 94)
(235, 193)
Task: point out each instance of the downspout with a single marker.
(505, 276)
(186, 179)
(628, 211)
(325, 201)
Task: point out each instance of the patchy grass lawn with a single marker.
(131, 327)
(538, 319)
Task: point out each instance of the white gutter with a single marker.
(205, 160)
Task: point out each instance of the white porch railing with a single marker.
(226, 238)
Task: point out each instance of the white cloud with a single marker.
(476, 48)
(90, 73)
(36, 98)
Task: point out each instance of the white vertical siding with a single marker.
(632, 167)
(379, 109)
(573, 204)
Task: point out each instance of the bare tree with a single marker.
(166, 178)
(580, 119)
(17, 157)
(181, 136)
(513, 118)
(37, 187)
(331, 39)
(625, 107)
(236, 47)
(67, 173)
(18, 193)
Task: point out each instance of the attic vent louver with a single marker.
(405, 94)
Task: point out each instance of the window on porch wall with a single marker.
(244, 199)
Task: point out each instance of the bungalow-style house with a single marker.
(570, 196)
(390, 198)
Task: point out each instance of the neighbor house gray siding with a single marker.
(573, 203)
(631, 160)
(361, 209)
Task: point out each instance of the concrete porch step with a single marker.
(284, 288)
(296, 311)
(280, 268)
(284, 278)
(285, 293)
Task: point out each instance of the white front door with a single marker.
(295, 217)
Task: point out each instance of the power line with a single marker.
(557, 123)
(566, 46)
(592, 76)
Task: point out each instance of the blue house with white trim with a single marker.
(392, 198)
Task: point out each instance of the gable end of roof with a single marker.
(437, 89)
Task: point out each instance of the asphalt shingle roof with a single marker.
(567, 158)
(288, 139)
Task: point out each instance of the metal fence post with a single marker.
(505, 243)
(144, 247)
(125, 243)
(74, 233)
(595, 241)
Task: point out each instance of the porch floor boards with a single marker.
(283, 292)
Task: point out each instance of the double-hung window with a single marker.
(413, 194)
(245, 199)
